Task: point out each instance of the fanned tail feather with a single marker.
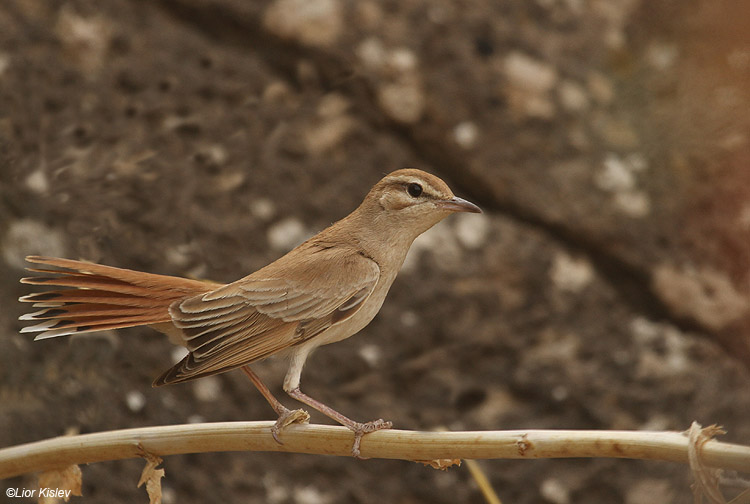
(100, 297)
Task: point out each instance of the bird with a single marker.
(323, 291)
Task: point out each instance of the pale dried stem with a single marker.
(389, 444)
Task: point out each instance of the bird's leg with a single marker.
(286, 416)
(359, 429)
(291, 387)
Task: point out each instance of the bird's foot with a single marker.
(360, 429)
(288, 417)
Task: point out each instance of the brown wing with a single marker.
(283, 304)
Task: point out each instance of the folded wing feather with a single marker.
(279, 306)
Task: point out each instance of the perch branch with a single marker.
(390, 444)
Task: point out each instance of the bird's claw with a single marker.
(360, 429)
(288, 417)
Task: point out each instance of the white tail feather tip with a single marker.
(54, 334)
(39, 327)
(32, 316)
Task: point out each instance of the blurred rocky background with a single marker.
(606, 286)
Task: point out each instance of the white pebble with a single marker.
(409, 319)
(276, 492)
(287, 234)
(553, 490)
(333, 105)
(633, 203)
(311, 495)
(403, 59)
(571, 274)
(702, 293)
(615, 175)
(662, 56)
(168, 495)
(28, 237)
(471, 230)
(215, 154)
(527, 72)
(658, 422)
(311, 22)
(371, 354)
(402, 101)
(572, 96)
(178, 255)
(207, 389)
(277, 92)
(86, 39)
(327, 134)
(465, 134)
(371, 52)
(37, 181)
(439, 241)
(262, 209)
(135, 401)
(644, 331)
(614, 37)
(560, 393)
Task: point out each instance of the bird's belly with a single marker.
(353, 325)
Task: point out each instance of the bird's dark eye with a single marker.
(414, 189)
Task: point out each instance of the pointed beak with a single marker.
(457, 204)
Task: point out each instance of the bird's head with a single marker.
(414, 200)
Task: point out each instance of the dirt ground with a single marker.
(606, 286)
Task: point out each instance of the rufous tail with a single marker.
(101, 297)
